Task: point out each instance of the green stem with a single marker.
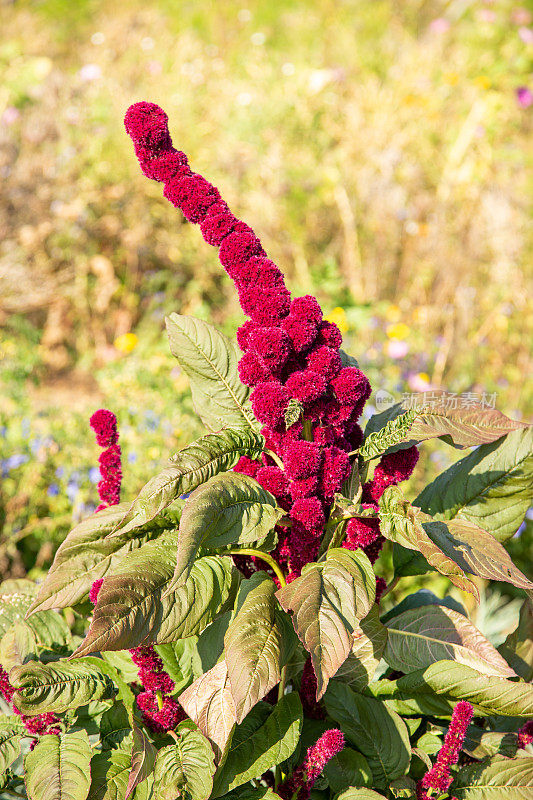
(390, 587)
(274, 566)
(274, 457)
(160, 701)
(307, 431)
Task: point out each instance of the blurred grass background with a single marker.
(378, 147)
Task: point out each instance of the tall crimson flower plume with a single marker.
(160, 711)
(104, 424)
(318, 755)
(290, 355)
(438, 777)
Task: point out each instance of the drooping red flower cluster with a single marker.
(160, 711)
(104, 424)
(38, 725)
(438, 777)
(525, 734)
(308, 690)
(291, 360)
(318, 755)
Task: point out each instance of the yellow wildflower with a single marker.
(398, 331)
(338, 316)
(126, 342)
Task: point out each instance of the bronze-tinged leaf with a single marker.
(209, 703)
(496, 779)
(12, 731)
(446, 418)
(133, 607)
(327, 603)
(143, 756)
(258, 643)
(518, 647)
(87, 555)
(228, 510)
(369, 643)
(421, 636)
(403, 524)
(187, 469)
(491, 487)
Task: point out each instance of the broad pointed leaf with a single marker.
(229, 510)
(184, 769)
(44, 635)
(110, 773)
(445, 417)
(133, 608)
(271, 744)
(348, 768)
(491, 487)
(192, 466)
(209, 703)
(518, 647)
(488, 694)
(377, 731)
(258, 643)
(115, 726)
(327, 603)
(59, 686)
(394, 432)
(87, 555)
(479, 743)
(369, 643)
(143, 756)
(12, 731)
(421, 636)
(453, 548)
(58, 767)
(497, 779)
(210, 360)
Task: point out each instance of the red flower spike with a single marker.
(252, 370)
(302, 459)
(218, 223)
(361, 533)
(308, 690)
(162, 166)
(335, 471)
(391, 470)
(104, 424)
(303, 487)
(525, 734)
(309, 512)
(329, 335)
(351, 385)
(269, 402)
(274, 480)
(94, 590)
(326, 361)
(272, 345)
(246, 466)
(265, 306)
(147, 124)
(439, 777)
(306, 386)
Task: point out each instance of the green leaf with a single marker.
(177, 660)
(491, 487)
(189, 468)
(377, 731)
(479, 743)
(110, 772)
(421, 636)
(249, 793)
(394, 432)
(497, 779)
(488, 694)
(184, 769)
(258, 643)
(348, 768)
(271, 744)
(12, 731)
(16, 596)
(293, 412)
(115, 726)
(359, 794)
(327, 603)
(348, 360)
(403, 524)
(453, 548)
(210, 360)
(86, 555)
(209, 703)
(46, 634)
(143, 756)
(369, 643)
(133, 607)
(436, 417)
(59, 686)
(230, 509)
(518, 647)
(58, 767)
